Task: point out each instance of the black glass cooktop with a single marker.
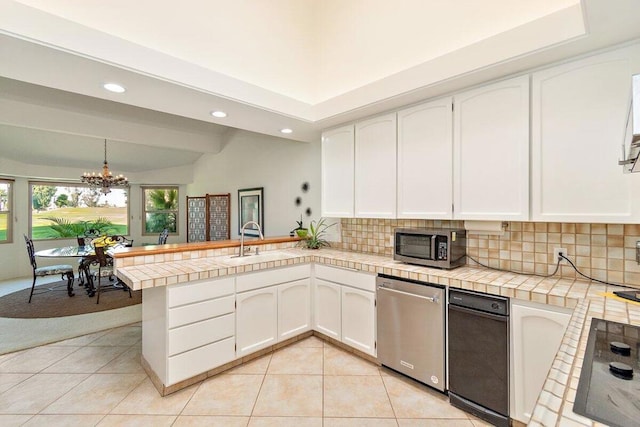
(609, 386)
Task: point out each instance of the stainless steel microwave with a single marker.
(442, 248)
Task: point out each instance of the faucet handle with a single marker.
(247, 249)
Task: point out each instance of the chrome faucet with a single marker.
(242, 235)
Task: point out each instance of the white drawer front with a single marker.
(261, 279)
(356, 279)
(203, 359)
(201, 333)
(200, 311)
(199, 291)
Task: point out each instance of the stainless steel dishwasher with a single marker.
(411, 328)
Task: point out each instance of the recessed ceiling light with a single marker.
(220, 114)
(286, 130)
(114, 87)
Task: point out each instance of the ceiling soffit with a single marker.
(166, 83)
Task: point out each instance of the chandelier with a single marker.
(105, 180)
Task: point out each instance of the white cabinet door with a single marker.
(358, 319)
(425, 168)
(337, 172)
(294, 308)
(536, 334)
(491, 152)
(326, 308)
(375, 168)
(579, 113)
(256, 320)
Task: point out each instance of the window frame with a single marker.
(31, 183)
(9, 211)
(143, 189)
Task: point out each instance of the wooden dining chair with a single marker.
(105, 269)
(64, 270)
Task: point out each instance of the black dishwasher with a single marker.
(479, 355)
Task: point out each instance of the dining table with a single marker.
(84, 252)
(66, 252)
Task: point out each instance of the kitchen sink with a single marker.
(233, 260)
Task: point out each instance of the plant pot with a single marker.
(302, 233)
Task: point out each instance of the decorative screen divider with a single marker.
(219, 206)
(208, 217)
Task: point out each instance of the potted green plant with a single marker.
(316, 236)
(300, 230)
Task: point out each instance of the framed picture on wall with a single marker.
(251, 208)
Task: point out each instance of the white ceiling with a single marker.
(19, 143)
(302, 64)
(303, 49)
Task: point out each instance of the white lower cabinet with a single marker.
(327, 312)
(271, 306)
(188, 328)
(256, 320)
(358, 319)
(294, 308)
(536, 334)
(191, 363)
(344, 306)
(194, 327)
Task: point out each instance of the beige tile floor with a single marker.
(97, 379)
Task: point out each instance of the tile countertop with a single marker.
(555, 403)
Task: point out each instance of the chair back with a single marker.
(101, 256)
(123, 241)
(31, 251)
(162, 238)
(92, 233)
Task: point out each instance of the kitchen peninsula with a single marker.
(190, 292)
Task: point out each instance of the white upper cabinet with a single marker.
(375, 168)
(425, 168)
(337, 172)
(579, 114)
(491, 152)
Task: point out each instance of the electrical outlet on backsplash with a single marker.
(602, 251)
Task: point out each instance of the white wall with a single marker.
(280, 166)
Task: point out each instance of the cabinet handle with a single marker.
(430, 299)
(346, 268)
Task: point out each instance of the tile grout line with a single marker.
(395, 416)
(264, 378)
(324, 348)
(89, 375)
(188, 400)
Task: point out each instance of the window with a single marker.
(160, 209)
(65, 210)
(6, 201)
